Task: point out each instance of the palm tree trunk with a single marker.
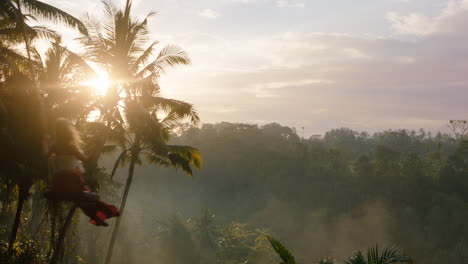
(6, 201)
(36, 211)
(22, 196)
(53, 221)
(115, 231)
(63, 232)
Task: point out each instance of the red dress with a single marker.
(67, 183)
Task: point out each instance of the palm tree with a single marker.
(21, 159)
(13, 24)
(12, 14)
(119, 43)
(12, 28)
(61, 73)
(21, 149)
(205, 228)
(147, 136)
(205, 232)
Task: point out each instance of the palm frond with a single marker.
(157, 159)
(138, 37)
(178, 161)
(36, 57)
(182, 157)
(44, 32)
(175, 109)
(94, 43)
(283, 253)
(52, 13)
(387, 256)
(15, 61)
(144, 56)
(171, 55)
(191, 154)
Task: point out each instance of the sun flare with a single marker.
(100, 84)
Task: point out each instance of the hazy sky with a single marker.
(322, 64)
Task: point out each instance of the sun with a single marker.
(100, 83)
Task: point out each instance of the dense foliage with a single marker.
(328, 196)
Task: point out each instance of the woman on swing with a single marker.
(66, 175)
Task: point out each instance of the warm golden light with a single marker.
(100, 84)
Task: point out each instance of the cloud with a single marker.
(278, 85)
(355, 53)
(452, 18)
(412, 24)
(208, 13)
(363, 82)
(266, 90)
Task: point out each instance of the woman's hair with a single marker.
(66, 134)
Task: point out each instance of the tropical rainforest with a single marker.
(227, 193)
